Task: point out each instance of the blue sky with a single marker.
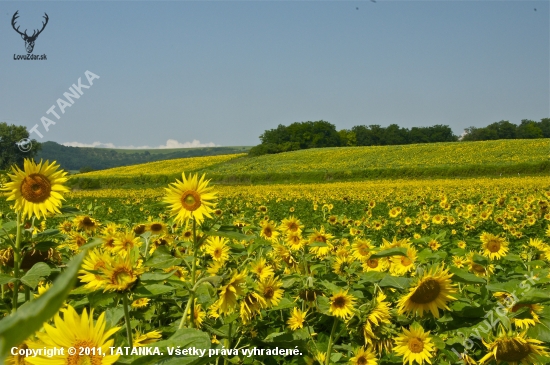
(222, 72)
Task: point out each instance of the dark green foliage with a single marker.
(89, 159)
(527, 129)
(298, 136)
(375, 135)
(10, 154)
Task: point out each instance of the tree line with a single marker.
(304, 135)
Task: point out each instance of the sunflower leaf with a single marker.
(34, 275)
(481, 260)
(465, 277)
(541, 331)
(534, 296)
(162, 259)
(396, 251)
(230, 234)
(396, 282)
(29, 318)
(153, 289)
(5, 279)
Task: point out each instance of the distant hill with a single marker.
(88, 158)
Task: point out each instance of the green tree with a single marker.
(347, 137)
(544, 126)
(529, 129)
(504, 129)
(15, 146)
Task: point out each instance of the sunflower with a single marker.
(19, 359)
(121, 274)
(509, 301)
(66, 227)
(165, 240)
(414, 345)
(261, 269)
(91, 266)
(157, 228)
(270, 290)
(251, 306)
(75, 331)
(140, 303)
(395, 243)
(400, 265)
(341, 263)
(513, 349)
(291, 224)
(431, 292)
(363, 357)
(198, 314)
(477, 269)
(228, 295)
(294, 241)
(434, 245)
(75, 241)
(139, 229)
(493, 246)
(86, 223)
(380, 264)
(322, 242)
(36, 189)
(109, 241)
(190, 198)
(297, 319)
(124, 242)
(459, 261)
(214, 267)
(217, 248)
(269, 231)
(379, 315)
(341, 304)
(146, 338)
(362, 249)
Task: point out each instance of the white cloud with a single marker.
(171, 143)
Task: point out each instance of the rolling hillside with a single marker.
(468, 159)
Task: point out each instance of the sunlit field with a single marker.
(384, 271)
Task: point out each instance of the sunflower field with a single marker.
(427, 160)
(441, 271)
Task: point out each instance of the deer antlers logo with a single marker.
(29, 40)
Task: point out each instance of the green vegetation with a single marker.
(430, 160)
(306, 135)
(88, 159)
(506, 130)
(10, 152)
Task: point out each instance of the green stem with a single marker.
(228, 342)
(191, 302)
(16, 260)
(330, 343)
(125, 304)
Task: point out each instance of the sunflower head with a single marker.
(36, 189)
(190, 198)
(514, 349)
(432, 292)
(414, 345)
(341, 304)
(76, 331)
